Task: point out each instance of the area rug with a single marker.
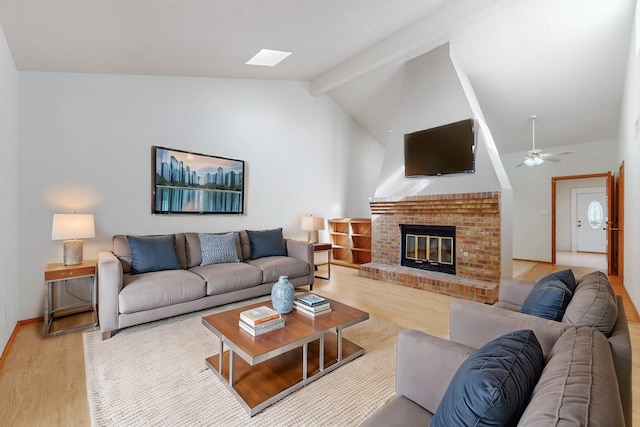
(155, 375)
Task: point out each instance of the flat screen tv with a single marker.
(185, 182)
(440, 150)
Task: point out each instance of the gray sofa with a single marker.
(593, 304)
(127, 298)
(577, 385)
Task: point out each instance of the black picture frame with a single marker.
(185, 182)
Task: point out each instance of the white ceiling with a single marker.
(563, 60)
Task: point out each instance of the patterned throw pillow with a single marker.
(218, 248)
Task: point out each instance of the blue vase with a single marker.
(282, 295)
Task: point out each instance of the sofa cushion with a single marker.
(593, 304)
(159, 289)
(578, 385)
(227, 277)
(266, 243)
(153, 253)
(492, 387)
(275, 266)
(548, 299)
(218, 248)
(399, 412)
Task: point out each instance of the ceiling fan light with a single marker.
(533, 161)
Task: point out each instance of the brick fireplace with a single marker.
(476, 218)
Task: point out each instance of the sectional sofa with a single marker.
(507, 381)
(549, 309)
(147, 278)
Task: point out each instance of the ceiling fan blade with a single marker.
(562, 153)
(519, 164)
(552, 159)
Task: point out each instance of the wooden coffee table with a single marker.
(262, 370)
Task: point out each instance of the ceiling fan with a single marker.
(536, 157)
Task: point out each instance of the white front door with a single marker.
(591, 220)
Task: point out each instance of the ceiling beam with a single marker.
(413, 41)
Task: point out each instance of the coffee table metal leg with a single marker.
(339, 333)
(321, 355)
(305, 360)
(232, 367)
(221, 357)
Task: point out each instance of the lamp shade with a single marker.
(312, 223)
(72, 226)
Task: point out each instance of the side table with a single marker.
(324, 247)
(58, 273)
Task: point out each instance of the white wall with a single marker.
(431, 96)
(9, 297)
(629, 152)
(437, 91)
(532, 192)
(85, 146)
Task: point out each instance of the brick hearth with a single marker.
(476, 217)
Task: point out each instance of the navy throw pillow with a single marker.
(266, 243)
(493, 386)
(548, 299)
(155, 253)
(567, 277)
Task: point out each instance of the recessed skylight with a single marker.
(268, 57)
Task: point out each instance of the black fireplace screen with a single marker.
(429, 247)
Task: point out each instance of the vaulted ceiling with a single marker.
(563, 60)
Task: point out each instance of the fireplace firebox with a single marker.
(429, 247)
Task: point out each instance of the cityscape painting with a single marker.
(185, 182)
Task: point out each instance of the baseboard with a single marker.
(531, 260)
(12, 338)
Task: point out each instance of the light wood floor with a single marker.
(42, 381)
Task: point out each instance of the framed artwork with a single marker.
(185, 182)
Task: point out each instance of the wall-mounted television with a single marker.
(440, 150)
(185, 182)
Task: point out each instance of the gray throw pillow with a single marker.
(218, 248)
(154, 253)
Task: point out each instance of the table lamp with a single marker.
(71, 228)
(312, 224)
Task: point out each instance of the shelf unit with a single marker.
(351, 240)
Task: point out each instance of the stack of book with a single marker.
(312, 305)
(260, 320)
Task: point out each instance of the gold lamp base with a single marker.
(72, 254)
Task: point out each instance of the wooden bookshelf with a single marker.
(351, 240)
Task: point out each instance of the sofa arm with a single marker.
(425, 366)
(474, 324)
(514, 291)
(109, 287)
(620, 342)
(304, 251)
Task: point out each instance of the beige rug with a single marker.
(155, 374)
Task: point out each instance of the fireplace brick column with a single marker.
(476, 217)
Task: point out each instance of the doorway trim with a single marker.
(554, 181)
